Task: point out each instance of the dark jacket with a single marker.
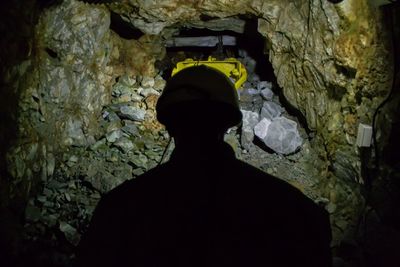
(203, 209)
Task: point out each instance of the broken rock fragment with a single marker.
(124, 144)
(264, 85)
(130, 128)
(71, 234)
(261, 129)
(250, 119)
(267, 93)
(113, 136)
(147, 82)
(271, 110)
(281, 135)
(132, 113)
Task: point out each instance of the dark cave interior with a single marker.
(43, 243)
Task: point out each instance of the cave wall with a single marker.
(15, 48)
(333, 63)
(60, 89)
(68, 81)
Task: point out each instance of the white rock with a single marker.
(136, 98)
(265, 88)
(250, 119)
(133, 113)
(267, 94)
(139, 90)
(159, 83)
(147, 82)
(149, 91)
(261, 128)
(252, 91)
(271, 110)
(282, 136)
(263, 85)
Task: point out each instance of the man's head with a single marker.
(199, 98)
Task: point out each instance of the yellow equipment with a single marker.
(231, 67)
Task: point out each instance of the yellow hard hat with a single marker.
(199, 92)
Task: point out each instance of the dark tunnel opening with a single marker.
(123, 28)
(249, 44)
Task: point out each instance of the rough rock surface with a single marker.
(271, 110)
(280, 134)
(261, 128)
(336, 72)
(86, 101)
(250, 119)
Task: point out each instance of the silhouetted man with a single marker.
(204, 207)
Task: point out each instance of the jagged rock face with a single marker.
(330, 60)
(326, 67)
(71, 130)
(69, 81)
(87, 105)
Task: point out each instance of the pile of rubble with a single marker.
(132, 142)
(264, 116)
(269, 125)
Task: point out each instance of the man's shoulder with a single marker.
(273, 187)
(255, 176)
(133, 187)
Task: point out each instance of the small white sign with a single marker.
(364, 135)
